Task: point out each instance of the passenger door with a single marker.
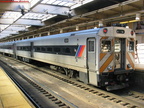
(91, 60)
(32, 49)
(120, 53)
(14, 50)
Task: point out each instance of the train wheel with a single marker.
(71, 73)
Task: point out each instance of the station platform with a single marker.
(139, 67)
(10, 94)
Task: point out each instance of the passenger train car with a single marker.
(103, 57)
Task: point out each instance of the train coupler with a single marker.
(116, 87)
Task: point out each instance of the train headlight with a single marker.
(106, 83)
(127, 79)
(109, 68)
(129, 66)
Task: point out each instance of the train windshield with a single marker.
(106, 46)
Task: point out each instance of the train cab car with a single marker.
(102, 57)
(116, 57)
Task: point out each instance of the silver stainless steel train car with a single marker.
(103, 57)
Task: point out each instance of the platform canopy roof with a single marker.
(19, 15)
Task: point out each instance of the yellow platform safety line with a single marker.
(10, 95)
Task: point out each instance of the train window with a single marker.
(105, 46)
(9, 47)
(43, 49)
(56, 49)
(21, 48)
(27, 48)
(24, 48)
(91, 46)
(66, 50)
(49, 49)
(38, 48)
(131, 46)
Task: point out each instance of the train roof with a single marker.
(95, 30)
(7, 43)
(62, 35)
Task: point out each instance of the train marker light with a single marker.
(105, 30)
(132, 32)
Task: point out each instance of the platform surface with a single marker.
(139, 67)
(10, 95)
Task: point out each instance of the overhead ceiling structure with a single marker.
(22, 14)
(18, 16)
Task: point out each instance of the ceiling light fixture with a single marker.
(100, 24)
(138, 15)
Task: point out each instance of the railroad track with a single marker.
(134, 96)
(137, 95)
(131, 95)
(95, 91)
(39, 95)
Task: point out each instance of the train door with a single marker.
(91, 60)
(14, 50)
(120, 53)
(32, 49)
